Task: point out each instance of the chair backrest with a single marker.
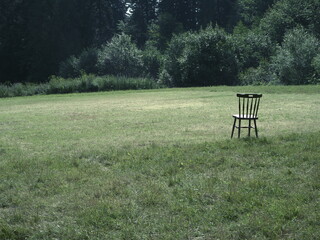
(249, 104)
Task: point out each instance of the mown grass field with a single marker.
(160, 164)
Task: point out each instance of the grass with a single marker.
(159, 164)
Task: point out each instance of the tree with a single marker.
(251, 48)
(160, 33)
(294, 59)
(37, 35)
(143, 13)
(288, 14)
(184, 11)
(205, 58)
(251, 11)
(13, 25)
(220, 12)
(120, 57)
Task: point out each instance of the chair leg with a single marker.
(255, 127)
(234, 125)
(239, 128)
(249, 127)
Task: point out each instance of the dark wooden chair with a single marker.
(248, 110)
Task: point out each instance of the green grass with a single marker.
(159, 164)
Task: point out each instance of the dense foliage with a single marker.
(200, 59)
(179, 43)
(83, 83)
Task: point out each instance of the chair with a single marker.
(248, 110)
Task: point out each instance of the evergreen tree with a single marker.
(251, 11)
(220, 12)
(143, 13)
(184, 11)
(13, 66)
(160, 33)
(37, 35)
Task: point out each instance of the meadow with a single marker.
(160, 164)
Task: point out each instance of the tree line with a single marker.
(177, 43)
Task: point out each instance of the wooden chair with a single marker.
(248, 110)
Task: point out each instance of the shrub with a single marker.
(40, 89)
(20, 89)
(293, 60)
(88, 61)
(171, 73)
(5, 91)
(74, 66)
(84, 83)
(69, 68)
(251, 47)
(61, 85)
(120, 57)
(260, 75)
(316, 66)
(165, 78)
(92, 83)
(201, 59)
(152, 61)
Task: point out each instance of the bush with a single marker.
(171, 73)
(91, 83)
(69, 68)
(165, 78)
(201, 59)
(88, 61)
(260, 75)
(293, 60)
(19, 89)
(316, 66)
(5, 91)
(61, 85)
(252, 47)
(84, 83)
(120, 57)
(152, 61)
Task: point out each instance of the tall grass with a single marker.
(84, 83)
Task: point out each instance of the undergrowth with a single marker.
(84, 83)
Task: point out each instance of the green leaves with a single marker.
(293, 60)
(201, 59)
(120, 57)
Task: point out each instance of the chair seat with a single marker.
(245, 116)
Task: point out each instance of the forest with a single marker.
(177, 43)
